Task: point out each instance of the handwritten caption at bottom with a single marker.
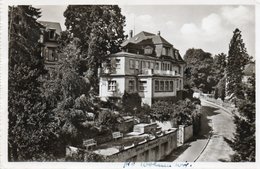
(157, 164)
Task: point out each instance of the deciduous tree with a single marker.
(100, 30)
(198, 73)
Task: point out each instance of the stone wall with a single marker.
(151, 150)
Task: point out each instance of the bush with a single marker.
(131, 102)
(162, 110)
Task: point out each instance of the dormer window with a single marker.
(52, 34)
(148, 50)
(166, 51)
(176, 54)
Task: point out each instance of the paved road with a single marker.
(222, 127)
(210, 145)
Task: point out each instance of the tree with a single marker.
(32, 129)
(236, 61)
(198, 73)
(219, 66)
(221, 86)
(244, 138)
(131, 103)
(184, 111)
(71, 92)
(100, 30)
(162, 110)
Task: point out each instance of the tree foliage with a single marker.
(236, 61)
(100, 30)
(219, 66)
(70, 90)
(184, 111)
(32, 129)
(131, 102)
(244, 138)
(198, 73)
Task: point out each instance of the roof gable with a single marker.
(156, 39)
(52, 25)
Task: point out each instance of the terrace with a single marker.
(142, 133)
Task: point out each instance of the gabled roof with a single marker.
(52, 25)
(249, 69)
(156, 39)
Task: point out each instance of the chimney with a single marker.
(130, 33)
(159, 33)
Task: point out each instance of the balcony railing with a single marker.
(158, 72)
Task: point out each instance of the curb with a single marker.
(203, 147)
(226, 110)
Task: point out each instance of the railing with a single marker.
(143, 72)
(158, 72)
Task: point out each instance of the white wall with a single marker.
(147, 95)
(103, 87)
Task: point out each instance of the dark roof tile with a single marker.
(156, 39)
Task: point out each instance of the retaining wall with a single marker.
(151, 150)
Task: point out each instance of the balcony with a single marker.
(158, 72)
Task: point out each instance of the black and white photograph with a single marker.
(136, 84)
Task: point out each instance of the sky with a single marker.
(208, 27)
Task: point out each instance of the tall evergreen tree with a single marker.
(31, 131)
(244, 141)
(236, 61)
(100, 30)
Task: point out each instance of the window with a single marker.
(161, 85)
(156, 66)
(180, 84)
(152, 65)
(148, 64)
(52, 34)
(162, 66)
(156, 86)
(177, 85)
(117, 63)
(136, 64)
(164, 51)
(112, 86)
(176, 54)
(51, 55)
(142, 85)
(132, 65)
(148, 50)
(171, 86)
(166, 86)
(131, 85)
(143, 64)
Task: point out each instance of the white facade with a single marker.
(152, 77)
